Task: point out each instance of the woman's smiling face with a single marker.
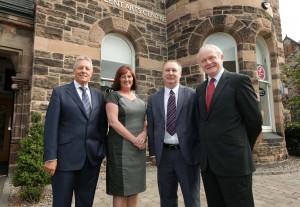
(126, 80)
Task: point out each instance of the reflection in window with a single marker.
(116, 51)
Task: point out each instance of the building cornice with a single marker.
(20, 8)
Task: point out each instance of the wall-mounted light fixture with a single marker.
(265, 5)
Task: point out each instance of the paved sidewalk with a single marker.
(279, 190)
(149, 198)
(270, 190)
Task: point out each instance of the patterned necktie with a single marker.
(209, 92)
(85, 101)
(171, 114)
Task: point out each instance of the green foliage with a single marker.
(291, 78)
(292, 138)
(29, 172)
(31, 193)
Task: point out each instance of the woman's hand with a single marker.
(140, 141)
(142, 146)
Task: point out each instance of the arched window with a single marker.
(228, 45)
(116, 51)
(265, 84)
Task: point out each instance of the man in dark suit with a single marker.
(74, 138)
(173, 144)
(228, 128)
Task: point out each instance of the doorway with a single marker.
(5, 129)
(6, 110)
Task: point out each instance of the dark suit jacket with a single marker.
(228, 131)
(185, 125)
(70, 135)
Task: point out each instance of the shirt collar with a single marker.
(218, 76)
(77, 85)
(175, 89)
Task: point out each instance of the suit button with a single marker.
(206, 122)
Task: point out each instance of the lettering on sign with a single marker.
(136, 9)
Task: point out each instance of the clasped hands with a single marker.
(140, 141)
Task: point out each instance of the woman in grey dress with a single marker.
(126, 143)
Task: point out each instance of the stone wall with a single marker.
(270, 148)
(16, 45)
(66, 29)
(190, 22)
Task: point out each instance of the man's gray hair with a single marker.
(80, 58)
(216, 48)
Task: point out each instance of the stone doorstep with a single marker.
(4, 190)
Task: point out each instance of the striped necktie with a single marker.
(85, 101)
(171, 114)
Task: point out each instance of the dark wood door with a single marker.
(5, 127)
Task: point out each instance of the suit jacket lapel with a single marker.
(180, 101)
(71, 90)
(202, 98)
(160, 100)
(93, 99)
(221, 84)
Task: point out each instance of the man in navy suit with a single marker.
(74, 138)
(174, 153)
(228, 127)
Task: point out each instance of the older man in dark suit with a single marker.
(229, 121)
(173, 143)
(75, 133)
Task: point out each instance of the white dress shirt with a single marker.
(168, 138)
(217, 78)
(79, 91)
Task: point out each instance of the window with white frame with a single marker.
(228, 45)
(265, 84)
(116, 51)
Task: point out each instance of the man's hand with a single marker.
(153, 161)
(50, 166)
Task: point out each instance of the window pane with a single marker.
(230, 66)
(109, 68)
(115, 52)
(264, 84)
(261, 59)
(264, 103)
(116, 49)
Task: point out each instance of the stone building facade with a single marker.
(292, 55)
(16, 59)
(290, 46)
(144, 34)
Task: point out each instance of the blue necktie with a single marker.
(171, 114)
(85, 101)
